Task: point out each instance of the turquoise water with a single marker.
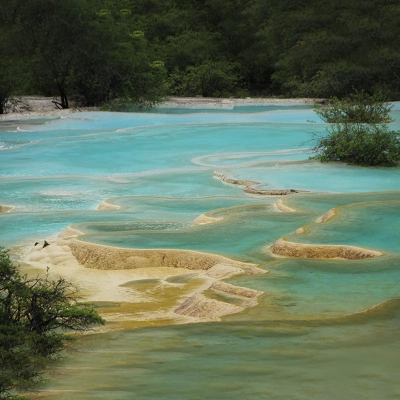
(323, 329)
(380, 219)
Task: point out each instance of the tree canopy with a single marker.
(35, 316)
(138, 51)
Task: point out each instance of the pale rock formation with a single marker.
(108, 206)
(327, 216)
(250, 190)
(205, 219)
(5, 209)
(282, 207)
(205, 309)
(105, 257)
(290, 249)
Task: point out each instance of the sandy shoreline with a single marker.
(36, 107)
(230, 103)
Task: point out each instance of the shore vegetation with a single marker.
(36, 316)
(135, 52)
(358, 132)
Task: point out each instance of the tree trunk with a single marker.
(63, 96)
(4, 96)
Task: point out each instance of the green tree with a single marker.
(358, 132)
(210, 79)
(119, 67)
(99, 52)
(36, 315)
(51, 36)
(83, 50)
(324, 49)
(12, 73)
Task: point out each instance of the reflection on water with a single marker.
(323, 329)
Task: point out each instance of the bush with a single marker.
(35, 316)
(358, 132)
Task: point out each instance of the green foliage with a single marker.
(103, 52)
(357, 108)
(35, 316)
(209, 79)
(327, 49)
(12, 72)
(358, 132)
(212, 79)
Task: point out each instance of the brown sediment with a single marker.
(205, 219)
(282, 207)
(249, 189)
(105, 257)
(5, 209)
(107, 206)
(290, 249)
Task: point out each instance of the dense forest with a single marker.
(137, 51)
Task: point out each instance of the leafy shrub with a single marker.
(358, 132)
(35, 316)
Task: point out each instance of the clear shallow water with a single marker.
(308, 338)
(380, 219)
(318, 290)
(316, 177)
(141, 149)
(222, 238)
